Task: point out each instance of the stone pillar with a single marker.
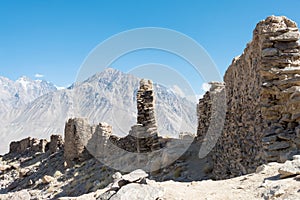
(41, 145)
(56, 143)
(145, 131)
(145, 106)
(77, 135)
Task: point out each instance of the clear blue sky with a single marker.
(52, 37)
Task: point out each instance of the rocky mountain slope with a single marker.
(108, 96)
(16, 94)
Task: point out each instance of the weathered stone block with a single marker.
(77, 134)
(269, 52)
(286, 37)
(55, 144)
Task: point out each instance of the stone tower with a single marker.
(145, 105)
(145, 131)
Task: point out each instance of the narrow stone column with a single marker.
(145, 131)
(77, 135)
(145, 106)
(56, 143)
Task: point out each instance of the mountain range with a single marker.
(37, 108)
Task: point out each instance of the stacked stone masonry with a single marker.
(280, 92)
(34, 145)
(263, 102)
(210, 111)
(145, 131)
(143, 136)
(145, 106)
(56, 143)
(82, 139)
(203, 114)
(27, 144)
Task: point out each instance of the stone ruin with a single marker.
(78, 133)
(280, 92)
(262, 97)
(82, 139)
(28, 144)
(56, 143)
(36, 145)
(141, 148)
(145, 131)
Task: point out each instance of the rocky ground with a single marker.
(43, 176)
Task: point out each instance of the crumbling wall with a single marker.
(211, 113)
(239, 149)
(97, 145)
(56, 143)
(280, 92)
(28, 145)
(82, 139)
(262, 90)
(203, 114)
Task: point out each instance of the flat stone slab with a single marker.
(286, 37)
(135, 191)
(135, 175)
(290, 168)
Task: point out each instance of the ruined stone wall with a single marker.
(262, 115)
(28, 145)
(56, 143)
(239, 149)
(82, 139)
(33, 145)
(210, 112)
(279, 95)
(203, 114)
